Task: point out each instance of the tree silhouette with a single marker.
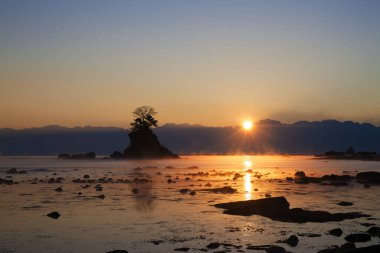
(143, 118)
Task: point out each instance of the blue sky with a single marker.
(207, 62)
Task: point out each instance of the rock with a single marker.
(192, 193)
(299, 174)
(348, 245)
(268, 248)
(223, 190)
(184, 191)
(53, 215)
(275, 249)
(213, 245)
(15, 171)
(334, 177)
(86, 176)
(345, 203)
(358, 238)
(117, 251)
(277, 208)
(59, 189)
(339, 183)
(135, 191)
(347, 249)
(6, 181)
(309, 234)
(267, 195)
(182, 249)
(101, 196)
(157, 242)
(336, 232)
(372, 177)
(291, 241)
(374, 231)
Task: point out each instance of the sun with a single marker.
(247, 125)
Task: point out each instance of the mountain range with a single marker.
(267, 137)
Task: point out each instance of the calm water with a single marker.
(159, 212)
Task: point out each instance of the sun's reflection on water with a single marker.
(247, 179)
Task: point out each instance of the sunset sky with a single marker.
(214, 63)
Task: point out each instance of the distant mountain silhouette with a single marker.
(268, 136)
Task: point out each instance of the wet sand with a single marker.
(144, 209)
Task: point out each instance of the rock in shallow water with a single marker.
(268, 248)
(53, 215)
(369, 249)
(291, 241)
(358, 238)
(345, 203)
(277, 208)
(368, 177)
(374, 231)
(336, 232)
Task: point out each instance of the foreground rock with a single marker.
(369, 249)
(117, 251)
(53, 215)
(336, 232)
(358, 238)
(291, 241)
(277, 208)
(372, 177)
(268, 248)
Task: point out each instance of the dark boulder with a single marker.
(358, 238)
(182, 249)
(267, 248)
(334, 177)
(374, 231)
(53, 215)
(117, 251)
(345, 203)
(265, 207)
(368, 177)
(213, 245)
(291, 241)
(277, 208)
(336, 232)
(352, 249)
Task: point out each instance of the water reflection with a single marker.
(247, 179)
(144, 199)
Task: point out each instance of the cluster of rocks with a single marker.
(366, 178)
(15, 171)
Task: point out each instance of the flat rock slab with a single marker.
(369, 249)
(277, 208)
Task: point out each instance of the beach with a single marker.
(144, 210)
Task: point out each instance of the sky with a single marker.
(213, 62)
